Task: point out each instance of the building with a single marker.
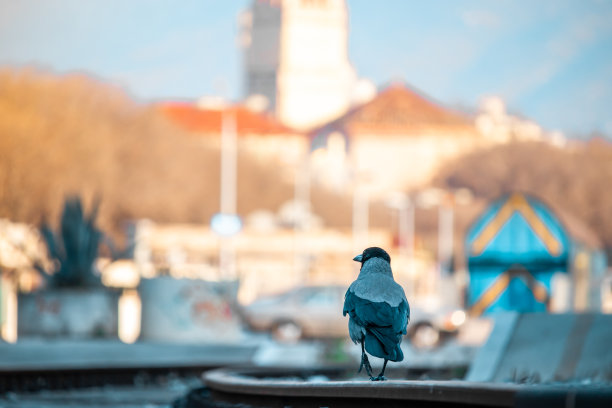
(268, 260)
(498, 126)
(394, 142)
(258, 134)
(296, 56)
(522, 256)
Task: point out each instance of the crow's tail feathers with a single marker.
(384, 342)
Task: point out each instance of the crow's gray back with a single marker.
(375, 283)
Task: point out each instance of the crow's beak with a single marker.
(358, 258)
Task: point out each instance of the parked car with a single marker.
(316, 312)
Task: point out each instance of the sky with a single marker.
(550, 60)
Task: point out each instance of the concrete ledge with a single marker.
(102, 354)
(546, 348)
(227, 382)
(489, 357)
(265, 387)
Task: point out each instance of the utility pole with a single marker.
(361, 209)
(301, 193)
(228, 217)
(445, 234)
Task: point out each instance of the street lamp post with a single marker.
(227, 223)
(445, 234)
(302, 198)
(404, 206)
(361, 210)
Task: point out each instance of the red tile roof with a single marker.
(209, 120)
(397, 110)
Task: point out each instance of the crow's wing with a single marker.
(371, 314)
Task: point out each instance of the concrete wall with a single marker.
(189, 311)
(72, 313)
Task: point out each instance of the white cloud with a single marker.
(480, 18)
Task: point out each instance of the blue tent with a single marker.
(514, 250)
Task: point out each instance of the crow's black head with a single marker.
(372, 252)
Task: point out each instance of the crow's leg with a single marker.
(364, 361)
(381, 376)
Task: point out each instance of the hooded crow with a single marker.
(378, 310)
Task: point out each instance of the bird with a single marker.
(378, 310)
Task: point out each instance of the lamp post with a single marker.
(404, 206)
(361, 210)
(302, 200)
(228, 162)
(402, 203)
(445, 201)
(226, 223)
(445, 233)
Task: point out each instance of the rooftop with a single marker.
(397, 109)
(209, 120)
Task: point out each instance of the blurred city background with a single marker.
(204, 172)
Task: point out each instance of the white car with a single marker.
(316, 312)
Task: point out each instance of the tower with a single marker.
(296, 55)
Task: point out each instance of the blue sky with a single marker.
(550, 60)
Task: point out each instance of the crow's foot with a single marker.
(365, 363)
